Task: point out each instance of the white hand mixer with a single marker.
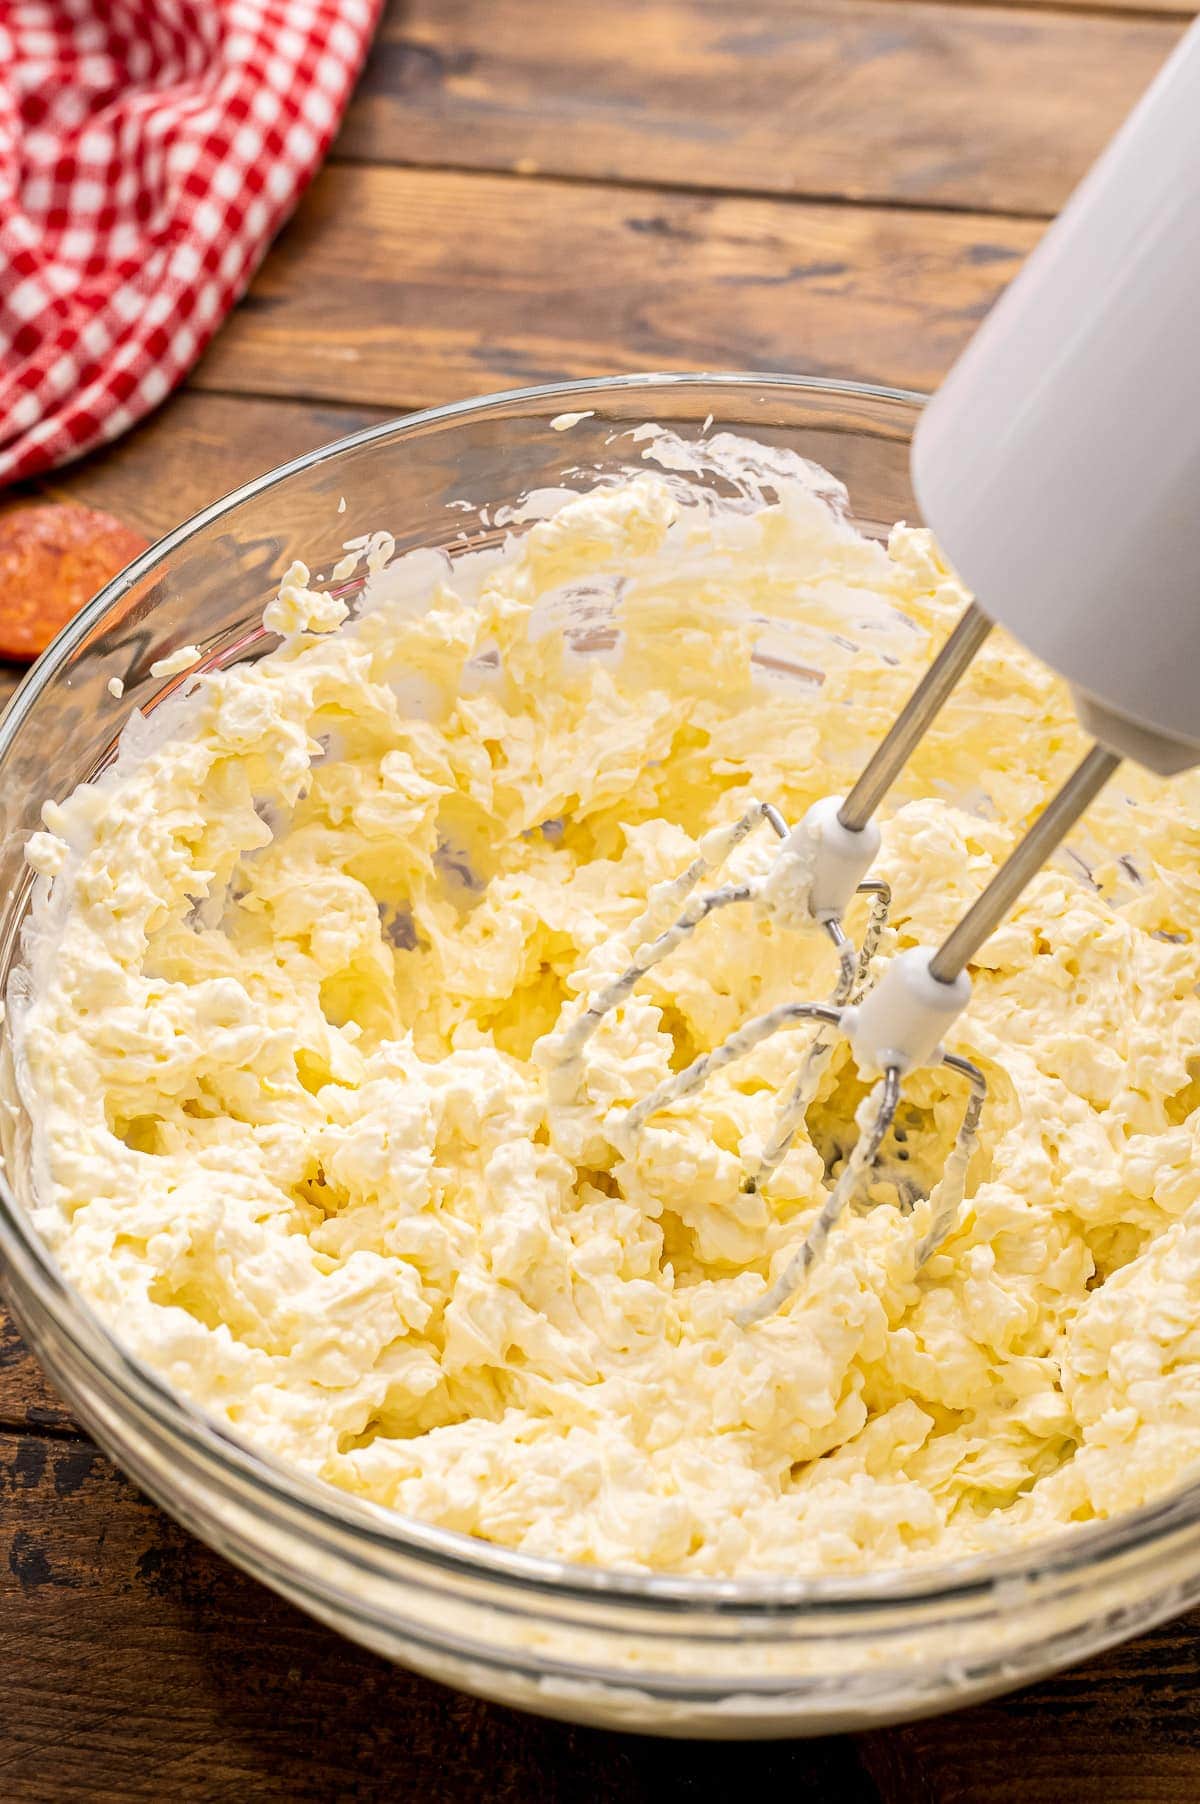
(1074, 412)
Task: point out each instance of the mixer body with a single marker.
(1059, 463)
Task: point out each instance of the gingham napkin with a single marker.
(149, 151)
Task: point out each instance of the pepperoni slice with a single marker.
(54, 556)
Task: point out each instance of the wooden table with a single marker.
(525, 190)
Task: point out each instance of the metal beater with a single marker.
(1074, 413)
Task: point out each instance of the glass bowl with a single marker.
(671, 1655)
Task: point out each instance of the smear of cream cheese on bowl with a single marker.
(293, 968)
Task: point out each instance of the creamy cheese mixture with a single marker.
(295, 972)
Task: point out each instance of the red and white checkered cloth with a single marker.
(149, 151)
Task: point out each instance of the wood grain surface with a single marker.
(1181, 10)
(964, 106)
(197, 448)
(526, 190)
(409, 286)
(27, 1400)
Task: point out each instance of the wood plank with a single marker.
(1120, 1729)
(196, 448)
(1162, 9)
(137, 1665)
(27, 1400)
(977, 107)
(405, 286)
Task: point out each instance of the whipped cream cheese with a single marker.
(296, 971)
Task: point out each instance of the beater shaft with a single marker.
(1046, 834)
(914, 719)
(904, 1019)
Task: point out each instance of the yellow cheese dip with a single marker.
(293, 967)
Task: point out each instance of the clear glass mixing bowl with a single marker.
(678, 1656)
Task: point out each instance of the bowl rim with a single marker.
(1070, 1554)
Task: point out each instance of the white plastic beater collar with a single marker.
(837, 858)
(901, 1022)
